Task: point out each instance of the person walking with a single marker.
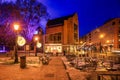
(64, 53)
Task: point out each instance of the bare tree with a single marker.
(28, 13)
(32, 12)
(8, 14)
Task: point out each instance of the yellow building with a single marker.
(62, 34)
(107, 35)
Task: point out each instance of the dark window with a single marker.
(89, 34)
(119, 46)
(75, 27)
(75, 36)
(46, 39)
(59, 36)
(50, 38)
(119, 21)
(119, 31)
(113, 23)
(89, 39)
(1, 47)
(54, 38)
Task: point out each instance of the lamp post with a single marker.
(16, 28)
(106, 48)
(108, 43)
(101, 37)
(36, 40)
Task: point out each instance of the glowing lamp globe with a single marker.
(21, 41)
(16, 26)
(36, 38)
(107, 41)
(101, 36)
(39, 45)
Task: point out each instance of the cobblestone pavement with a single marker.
(53, 71)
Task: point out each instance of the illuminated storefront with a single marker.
(53, 48)
(59, 48)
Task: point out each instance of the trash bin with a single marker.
(56, 54)
(22, 61)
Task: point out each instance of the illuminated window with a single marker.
(119, 40)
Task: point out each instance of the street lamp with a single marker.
(36, 39)
(16, 28)
(106, 48)
(101, 37)
(107, 41)
(81, 42)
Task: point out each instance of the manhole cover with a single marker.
(49, 75)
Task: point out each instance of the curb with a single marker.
(69, 78)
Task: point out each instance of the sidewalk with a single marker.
(76, 74)
(53, 71)
(88, 74)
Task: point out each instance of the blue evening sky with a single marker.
(92, 13)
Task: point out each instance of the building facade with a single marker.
(105, 35)
(62, 34)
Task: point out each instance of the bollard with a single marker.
(23, 62)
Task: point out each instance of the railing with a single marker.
(108, 77)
